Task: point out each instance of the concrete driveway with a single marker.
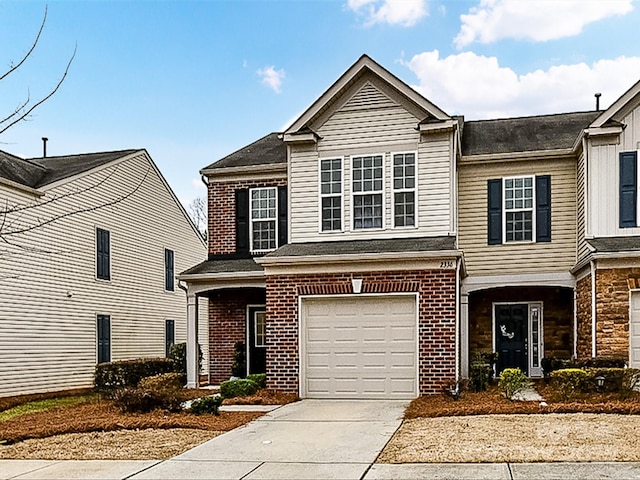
(309, 439)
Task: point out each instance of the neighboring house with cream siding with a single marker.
(90, 245)
(378, 244)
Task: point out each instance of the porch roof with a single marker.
(346, 247)
(224, 266)
(615, 244)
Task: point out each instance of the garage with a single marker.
(359, 347)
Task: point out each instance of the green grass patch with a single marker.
(42, 405)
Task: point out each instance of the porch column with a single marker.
(192, 341)
(464, 335)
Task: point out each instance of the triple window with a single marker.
(368, 192)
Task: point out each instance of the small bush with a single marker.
(569, 382)
(206, 405)
(128, 373)
(162, 382)
(143, 400)
(551, 364)
(239, 367)
(178, 355)
(512, 381)
(238, 388)
(480, 375)
(259, 378)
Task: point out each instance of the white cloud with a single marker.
(538, 20)
(478, 87)
(405, 13)
(198, 184)
(272, 78)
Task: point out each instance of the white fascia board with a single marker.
(437, 127)
(249, 171)
(515, 156)
(300, 138)
(603, 131)
(562, 279)
(611, 257)
(616, 106)
(23, 188)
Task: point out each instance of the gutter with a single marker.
(21, 187)
(356, 257)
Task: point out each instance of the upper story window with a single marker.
(367, 190)
(264, 219)
(168, 270)
(331, 194)
(103, 254)
(404, 190)
(519, 209)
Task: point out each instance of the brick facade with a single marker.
(583, 316)
(612, 311)
(222, 212)
(227, 325)
(557, 316)
(437, 316)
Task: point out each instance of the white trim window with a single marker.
(330, 194)
(367, 173)
(260, 329)
(404, 189)
(264, 219)
(519, 203)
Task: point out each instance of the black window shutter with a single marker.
(103, 254)
(104, 338)
(628, 189)
(543, 208)
(168, 270)
(282, 216)
(242, 220)
(494, 219)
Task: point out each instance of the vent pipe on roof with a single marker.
(44, 147)
(598, 95)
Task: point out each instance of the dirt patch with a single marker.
(516, 438)
(151, 444)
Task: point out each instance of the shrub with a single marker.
(128, 373)
(512, 381)
(239, 367)
(143, 400)
(238, 388)
(206, 405)
(569, 382)
(259, 378)
(178, 355)
(161, 382)
(480, 375)
(551, 364)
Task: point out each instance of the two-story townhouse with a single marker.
(90, 246)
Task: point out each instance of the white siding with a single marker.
(513, 258)
(49, 294)
(604, 178)
(371, 123)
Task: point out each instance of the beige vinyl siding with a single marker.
(371, 123)
(604, 178)
(516, 258)
(49, 294)
(583, 250)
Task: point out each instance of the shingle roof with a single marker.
(38, 172)
(615, 244)
(524, 134)
(224, 266)
(270, 149)
(424, 244)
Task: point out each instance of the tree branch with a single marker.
(28, 54)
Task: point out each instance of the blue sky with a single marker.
(194, 81)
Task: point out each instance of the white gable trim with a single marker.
(616, 106)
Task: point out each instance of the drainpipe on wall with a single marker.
(458, 261)
(592, 264)
(575, 323)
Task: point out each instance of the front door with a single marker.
(257, 340)
(511, 336)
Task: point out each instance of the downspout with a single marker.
(592, 264)
(575, 323)
(457, 341)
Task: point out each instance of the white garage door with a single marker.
(359, 347)
(634, 330)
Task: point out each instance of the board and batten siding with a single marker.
(582, 248)
(49, 294)
(525, 257)
(371, 123)
(604, 179)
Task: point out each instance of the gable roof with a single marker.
(39, 172)
(268, 150)
(605, 118)
(363, 66)
(524, 134)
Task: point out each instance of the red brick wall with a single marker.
(227, 325)
(583, 314)
(437, 313)
(222, 212)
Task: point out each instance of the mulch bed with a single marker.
(263, 397)
(492, 402)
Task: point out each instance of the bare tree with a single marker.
(26, 107)
(198, 212)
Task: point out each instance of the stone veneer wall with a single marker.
(583, 314)
(557, 316)
(227, 325)
(437, 315)
(222, 212)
